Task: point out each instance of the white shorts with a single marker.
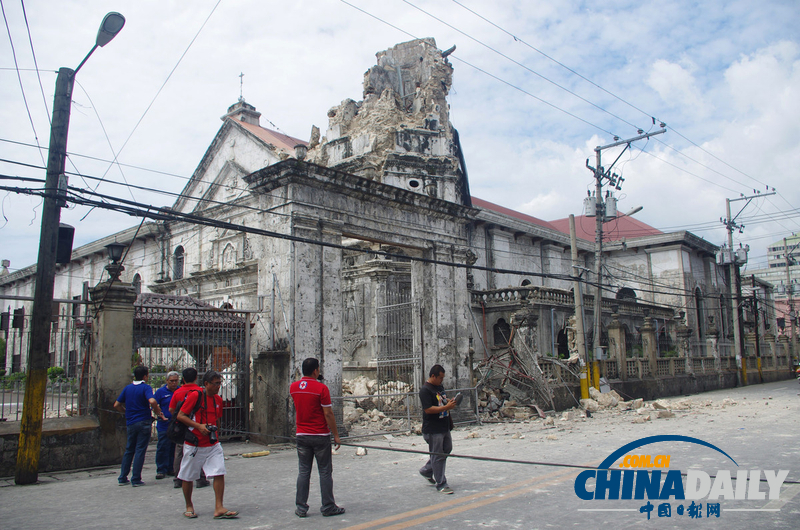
(209, 459)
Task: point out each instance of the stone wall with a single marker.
(67, 443)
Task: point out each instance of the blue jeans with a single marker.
(165, 453)
(434, 467)
(309, 448)
(138, 438)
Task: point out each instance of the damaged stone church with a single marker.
(383, 263)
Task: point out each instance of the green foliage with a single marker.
(636, 351)
(55, 372)
(10, 381)
(670, 353)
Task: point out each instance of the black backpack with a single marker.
(177, 431)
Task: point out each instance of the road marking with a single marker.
(476, 500)
(787, 495)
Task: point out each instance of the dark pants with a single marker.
(309, 448)
(138, 438)
(165, 453)
(437, 443)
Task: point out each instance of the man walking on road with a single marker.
(315, 423)
(203, 451)
(436, 426)
(189, 385)
(165, 450)
(135, 402)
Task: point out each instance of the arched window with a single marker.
(177, 266)
(226, 305)
(502, 333)
(626, 293)
(525, 282)
(137, 283)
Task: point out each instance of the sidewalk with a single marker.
(756, 424)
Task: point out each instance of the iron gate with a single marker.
(177, 332)
(399, 359)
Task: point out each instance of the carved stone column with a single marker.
(712, 338)
(616, 343)
(648, 332)
(684, 334)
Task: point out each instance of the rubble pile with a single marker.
(366, 412)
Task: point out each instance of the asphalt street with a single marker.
(757, 426)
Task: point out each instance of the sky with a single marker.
(537, 86)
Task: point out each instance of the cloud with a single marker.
(677, 87)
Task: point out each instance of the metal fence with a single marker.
(173, 333)
(64, 397)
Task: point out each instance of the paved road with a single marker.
(383, 490)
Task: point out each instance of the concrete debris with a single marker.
(590, 405)
(568, 415)
(361, 451)
(641, 419)
(660, 405)
(661, 414)
(518, 436)
(549, 422)
(637, 403)
(552, 437)
(473, 435)
(624, 405)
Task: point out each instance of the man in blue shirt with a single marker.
(165, 451)
(135, 402)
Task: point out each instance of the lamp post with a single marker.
(115, 268)
(30, 436)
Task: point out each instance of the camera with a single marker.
(212, 435)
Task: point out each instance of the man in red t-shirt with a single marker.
(315, 423)
(189, 385)
(204, 453)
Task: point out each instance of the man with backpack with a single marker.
(201, 413)
(189, 385)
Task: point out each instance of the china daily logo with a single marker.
(629, 473)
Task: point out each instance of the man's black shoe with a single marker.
(203, 482)
(177, 483)
(335, 511)
(298, 513)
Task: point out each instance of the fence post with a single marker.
(112, 331)
(648, 331)
(616, 342)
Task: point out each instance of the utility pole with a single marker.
(601, 173)
(30, 436)
(755, 327)
(733, 259)
(789, 292)
(577, 294)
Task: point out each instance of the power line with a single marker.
(19, 78)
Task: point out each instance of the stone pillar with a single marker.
(683, 333)
(770, 339)
(616, 344)
(648, 331)
(272, 410)
(110, 369)
(445, 312)
(317, 301)
(712, 337)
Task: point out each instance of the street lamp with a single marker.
(30, 436)
(115, 268)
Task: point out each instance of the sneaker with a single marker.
(124, 482)
(137, 484)
(428, 478)
(177, 484)
(447, 490)
(338, 510)
(202, 483)
(159, 476)
(300, 513)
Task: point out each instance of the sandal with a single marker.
(190, 514)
